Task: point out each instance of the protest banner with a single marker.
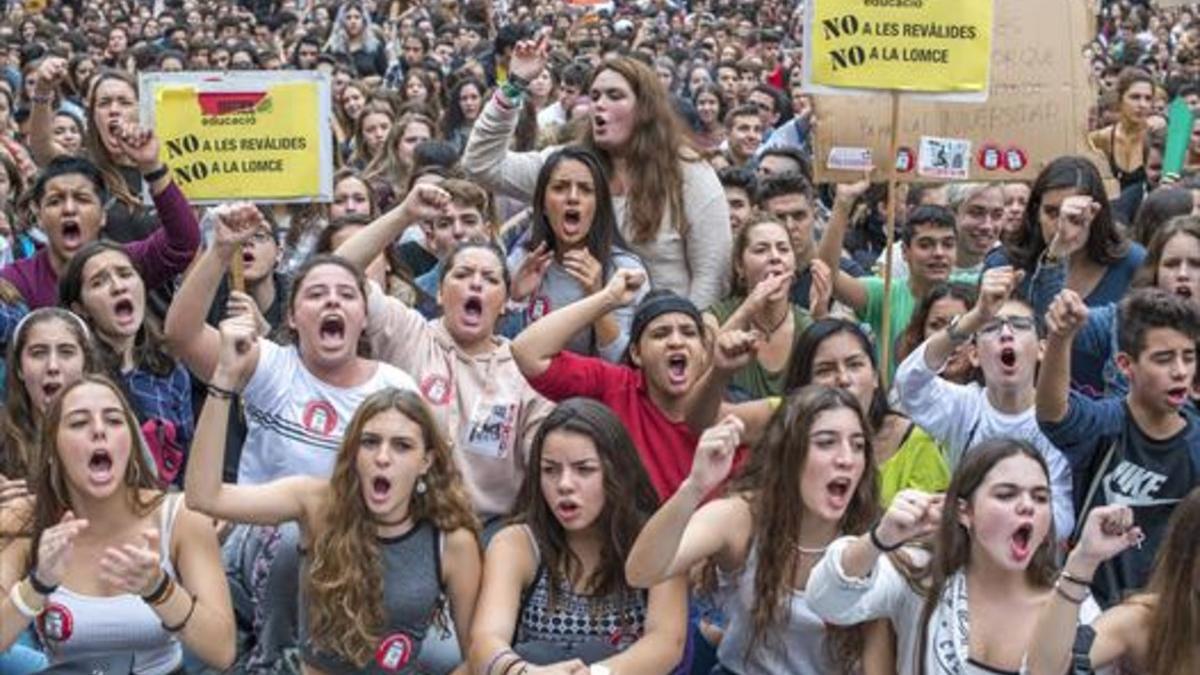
(1037, 108)
(259, 136)
(899, 45)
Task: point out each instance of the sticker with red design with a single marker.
(990, 157)
(1015, 159)
(395, 651)
(55, 623)
(320, 417)
(436, 389)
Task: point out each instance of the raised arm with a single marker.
(168, 250)
(911, 515)
(49, 77)
(846, 288)
(270, 504)
(1067, 315)
(538, 344)
(995, 287)
(732, 349)
(1108, 531)
(678, 535)
(487, 158)
(423, 202)
(188, 336)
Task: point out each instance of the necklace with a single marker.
(811, 551)
(392, 523)
(778, 324)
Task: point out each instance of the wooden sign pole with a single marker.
(237, 281)
(885, 346)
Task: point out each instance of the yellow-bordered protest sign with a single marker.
(259, 136)
(937, 46)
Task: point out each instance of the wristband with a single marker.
(517, 81)
(1067, 576)
(1070, 598)
(874, 534)
(39, 587)
(221, 393)
(156, 174)
(159, 592)
(513, 93)
(182, 624)
(42, 100)
(487, 670)
(19, 603)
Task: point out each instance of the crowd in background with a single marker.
(579, 371)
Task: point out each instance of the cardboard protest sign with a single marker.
(259, 136)
(1037, 106)
(907, 45)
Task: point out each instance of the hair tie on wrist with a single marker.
(37, 584)
(182, 624)
(221, 393)
(874, 534)
(156, 174)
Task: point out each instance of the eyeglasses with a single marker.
(1022, 324)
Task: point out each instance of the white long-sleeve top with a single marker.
(695, 264)
(961, 416)
(843, 600)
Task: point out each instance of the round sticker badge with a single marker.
(1015, 159)
(394, 652)
(436, 389)
(906, 160)
(990, 157)
(56, 623)
(319, 416)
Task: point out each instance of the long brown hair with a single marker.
(1147, 275)
(52, 499)
(653, 154)
(952, 541)
(771, 482)
(95, 147)
(629, 498)
(388, 166)
(346, 574)
(20, 455)
(1175, 588)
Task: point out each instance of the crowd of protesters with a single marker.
(579, 371)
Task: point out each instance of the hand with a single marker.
(995, 288)
(912, 515)
(530, 272)
(234, 363)
(132, 568)
(235, 224)
(1075, 217)
(572, 667)
(714, 454)
(1066, 315)
(623, 287)
(821, 290)
(12, 490)
(845, 194)
(50, 76)
(585, 269)
(734, 349)
(529, 57)
(138, 144)
(240, 304)
(423, 203)
(55, 547)
(1107, 532)
(766, 290)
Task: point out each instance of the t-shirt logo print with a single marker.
(320, 417)
(1133, 485)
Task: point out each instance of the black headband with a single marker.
(657, 304)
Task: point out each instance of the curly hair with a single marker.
(346, 614)
(769, 484)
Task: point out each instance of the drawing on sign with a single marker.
(943, 158)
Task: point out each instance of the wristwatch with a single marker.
(957, 337)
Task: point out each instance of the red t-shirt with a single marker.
(666, 447)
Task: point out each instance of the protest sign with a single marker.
(899, 45)
(260, 136)
(1036, 110)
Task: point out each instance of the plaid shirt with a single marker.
(158, 400)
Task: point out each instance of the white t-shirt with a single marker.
(295, 421)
